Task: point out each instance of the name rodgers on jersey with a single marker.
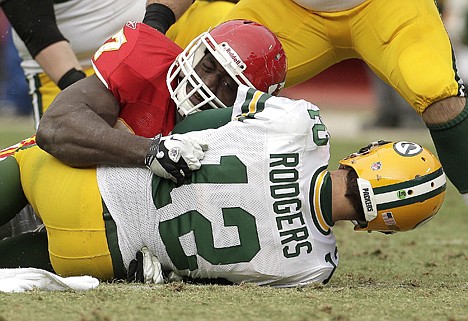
(284, 189)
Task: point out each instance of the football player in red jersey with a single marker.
(142, 78)
(141, 101)
(74, 17)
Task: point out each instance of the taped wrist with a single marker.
(152, 151)
(159, 16)
(70, 77)
(451, 143)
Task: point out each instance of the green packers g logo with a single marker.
(401, 194)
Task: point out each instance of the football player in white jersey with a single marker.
(260, 209)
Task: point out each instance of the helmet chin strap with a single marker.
(369, 204)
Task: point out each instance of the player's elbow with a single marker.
(45, 137)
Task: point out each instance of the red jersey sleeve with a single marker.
(133, 64)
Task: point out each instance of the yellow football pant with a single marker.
(404, 42)
(69, 203)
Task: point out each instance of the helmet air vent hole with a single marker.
(410, 192)
(423, 159)
(432, 184)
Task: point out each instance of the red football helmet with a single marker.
(250, 53)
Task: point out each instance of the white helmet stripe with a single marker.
(403, 194)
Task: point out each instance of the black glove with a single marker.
(135, 269)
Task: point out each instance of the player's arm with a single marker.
(78, 128)
(35, 23)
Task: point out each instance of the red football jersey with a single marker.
(133, 64)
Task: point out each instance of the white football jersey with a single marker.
(87, 24)
(258, 210)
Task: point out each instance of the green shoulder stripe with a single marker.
(254, 103)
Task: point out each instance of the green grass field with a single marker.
(420, 275)
(14, 129)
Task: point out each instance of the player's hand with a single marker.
(175, 157)
(145, 268)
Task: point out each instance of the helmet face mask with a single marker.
(402, 185)
(239, 47)
(190, 83)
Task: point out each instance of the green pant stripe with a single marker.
(113, 243)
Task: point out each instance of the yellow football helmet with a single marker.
(402, 185)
